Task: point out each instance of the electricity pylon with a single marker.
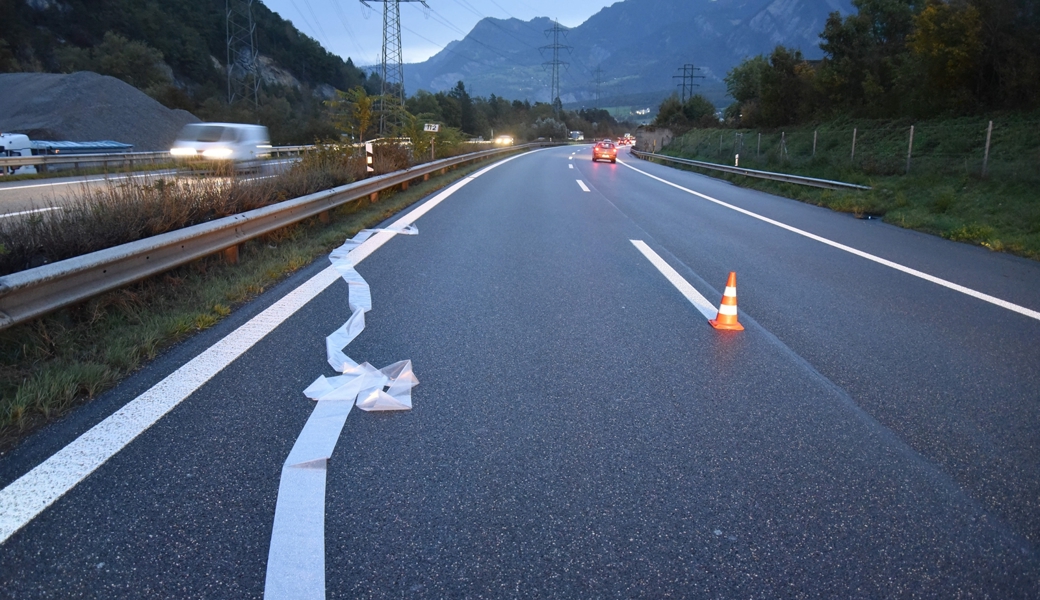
(391, 97)
(555, 63)
(688, 75)
(598, 73)
(243, 68)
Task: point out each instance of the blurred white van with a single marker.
(222, 141)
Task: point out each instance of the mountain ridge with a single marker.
(638, 44)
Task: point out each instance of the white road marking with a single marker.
(696, 299)
(881, 261)
(25, 498)
(570, 166)
(81, 181)
(584, 187)
(29, 212)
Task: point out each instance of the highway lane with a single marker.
(579, 430)
(954, 376)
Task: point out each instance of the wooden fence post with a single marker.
(909, 149)
(985, 158)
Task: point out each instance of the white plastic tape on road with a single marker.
(296, 559)
(29, 495)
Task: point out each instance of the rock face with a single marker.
(84, 107)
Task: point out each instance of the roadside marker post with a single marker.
(369, 158)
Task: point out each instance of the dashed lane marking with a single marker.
(583, 187)
(696, 298)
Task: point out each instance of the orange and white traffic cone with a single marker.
(727, 317)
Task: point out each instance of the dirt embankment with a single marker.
(652, 139)
(86, 107)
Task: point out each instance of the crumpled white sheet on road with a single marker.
(296, 561)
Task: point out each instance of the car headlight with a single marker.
(217, 153)
(182, 151)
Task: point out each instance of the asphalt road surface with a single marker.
(579, 430)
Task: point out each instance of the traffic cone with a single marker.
(727, 317)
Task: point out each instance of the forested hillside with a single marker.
(175, 51)
(900, 58)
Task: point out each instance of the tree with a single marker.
(744, 83)
(353, 112)
(136, 63)
(863, 55)
(945, 47)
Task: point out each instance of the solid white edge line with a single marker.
(881, 261)
(29, 495)
(29, 212)
(584, 187)
(81, 181)
(696, 299)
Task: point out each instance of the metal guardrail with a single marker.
(34, 292)
(124, 158)
(120, 158)
(797, 179)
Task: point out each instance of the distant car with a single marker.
(604, 151)
(222, 141)
(504, 140)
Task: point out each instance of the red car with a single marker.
(604, 151)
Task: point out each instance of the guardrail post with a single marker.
(404, 186)
(373, 197)
(323, 216)
(426, 177)
(230, 254)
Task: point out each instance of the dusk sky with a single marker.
(347, 28)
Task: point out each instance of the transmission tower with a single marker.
(243, 68)
(687, 84)
(556, 63)
(391, 98)
(598, 80)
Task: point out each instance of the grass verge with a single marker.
(944, 193)
(55, 363)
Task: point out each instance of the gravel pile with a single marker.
(86, 107)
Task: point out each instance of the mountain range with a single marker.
(631, 49)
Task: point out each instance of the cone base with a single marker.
(726, 326)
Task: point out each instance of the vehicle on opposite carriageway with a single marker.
(222, 141)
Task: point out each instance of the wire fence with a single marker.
(1009, 149)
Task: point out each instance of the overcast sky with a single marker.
(347, 28)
